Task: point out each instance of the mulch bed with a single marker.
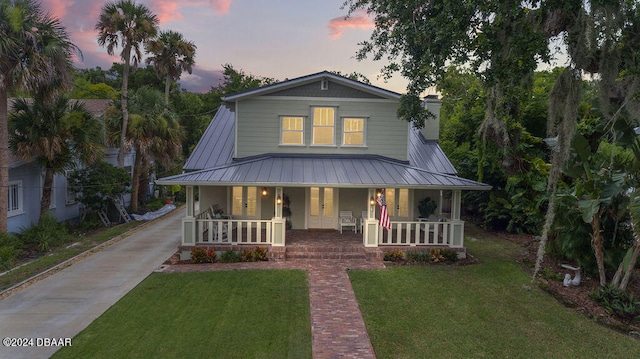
(576, 297)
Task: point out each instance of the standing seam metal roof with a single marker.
(342, 171)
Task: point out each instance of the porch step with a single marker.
(330, 252)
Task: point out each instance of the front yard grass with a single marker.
(220, 314)
(485, 310)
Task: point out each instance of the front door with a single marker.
(244, 202)
(398, 203)
(322, 207)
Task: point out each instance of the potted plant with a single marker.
(426, 207)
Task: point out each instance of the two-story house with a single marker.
(305, 152)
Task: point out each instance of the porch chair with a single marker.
(347, 219)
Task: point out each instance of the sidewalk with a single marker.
(63, 304)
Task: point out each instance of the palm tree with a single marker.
(127, 25)
(55, 134)
(171, 54)
(35, 56)
(154, 134)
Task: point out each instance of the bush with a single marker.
(449, 255)
(395, 255)
(620, 304)
(201, 255)
(230, 257)
(45, 235)
(247, 255)
(8, 250)
(418, 257)
(257, 254)
(260, 254)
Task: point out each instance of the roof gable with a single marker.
(301, 85)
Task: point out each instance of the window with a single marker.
(323, 125)
(292, 131)
(15, 198)
(353, 132)
(71, 194)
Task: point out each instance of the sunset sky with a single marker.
(270, 38)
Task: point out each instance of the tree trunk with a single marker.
(136, 182)
(596, 244)
(4, 159)
(143, 185)
(45, 202)
(123, 102)
(167, 87)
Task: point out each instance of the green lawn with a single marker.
(228, 314)
(486, 310)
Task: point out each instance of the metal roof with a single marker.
(324, 171)
(427, 154)
(215, 147)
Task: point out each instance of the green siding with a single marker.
(258, 126)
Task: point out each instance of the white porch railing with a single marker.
(233, 231)
(416, 233)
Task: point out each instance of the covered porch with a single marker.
(257, 201)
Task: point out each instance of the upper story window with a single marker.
(353, 132)
(15, 204)
(324, 126)
(292, 132)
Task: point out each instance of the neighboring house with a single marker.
(307, 153)
(26, 180)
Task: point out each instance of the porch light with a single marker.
(372, 202)
(279, 200)
(379, 192)
(264, 191)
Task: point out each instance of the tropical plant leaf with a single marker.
(589, 208)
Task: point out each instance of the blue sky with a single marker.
(271, 38)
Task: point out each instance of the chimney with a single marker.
(431, 129)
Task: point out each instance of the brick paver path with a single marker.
(337, 327)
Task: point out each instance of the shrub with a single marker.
(620, 304)
(436, 255)
(8, 250)
(418, 257)
(260, 254)
(395, 255)
(230, 256)
(449, 255)
(547, 273)
(211, 255)
(45, 235)
(247, 255)
(257, 254)
(201, 255)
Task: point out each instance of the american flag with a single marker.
(384, 221)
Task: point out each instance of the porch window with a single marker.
(292, 132)
(70, 193)
(353, 132)
(323, 126)
(15, 203)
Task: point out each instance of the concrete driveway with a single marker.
(63, 304)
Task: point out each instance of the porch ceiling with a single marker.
(323, 171)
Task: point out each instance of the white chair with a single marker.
(347, 219)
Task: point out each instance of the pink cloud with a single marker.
(169, 10)
(220, 6)
(57, 8)
(358, 20)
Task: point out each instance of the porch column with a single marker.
(279, 224)
(457, 226)
(370, 232)
(189, 221)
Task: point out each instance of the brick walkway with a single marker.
(337, 327)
